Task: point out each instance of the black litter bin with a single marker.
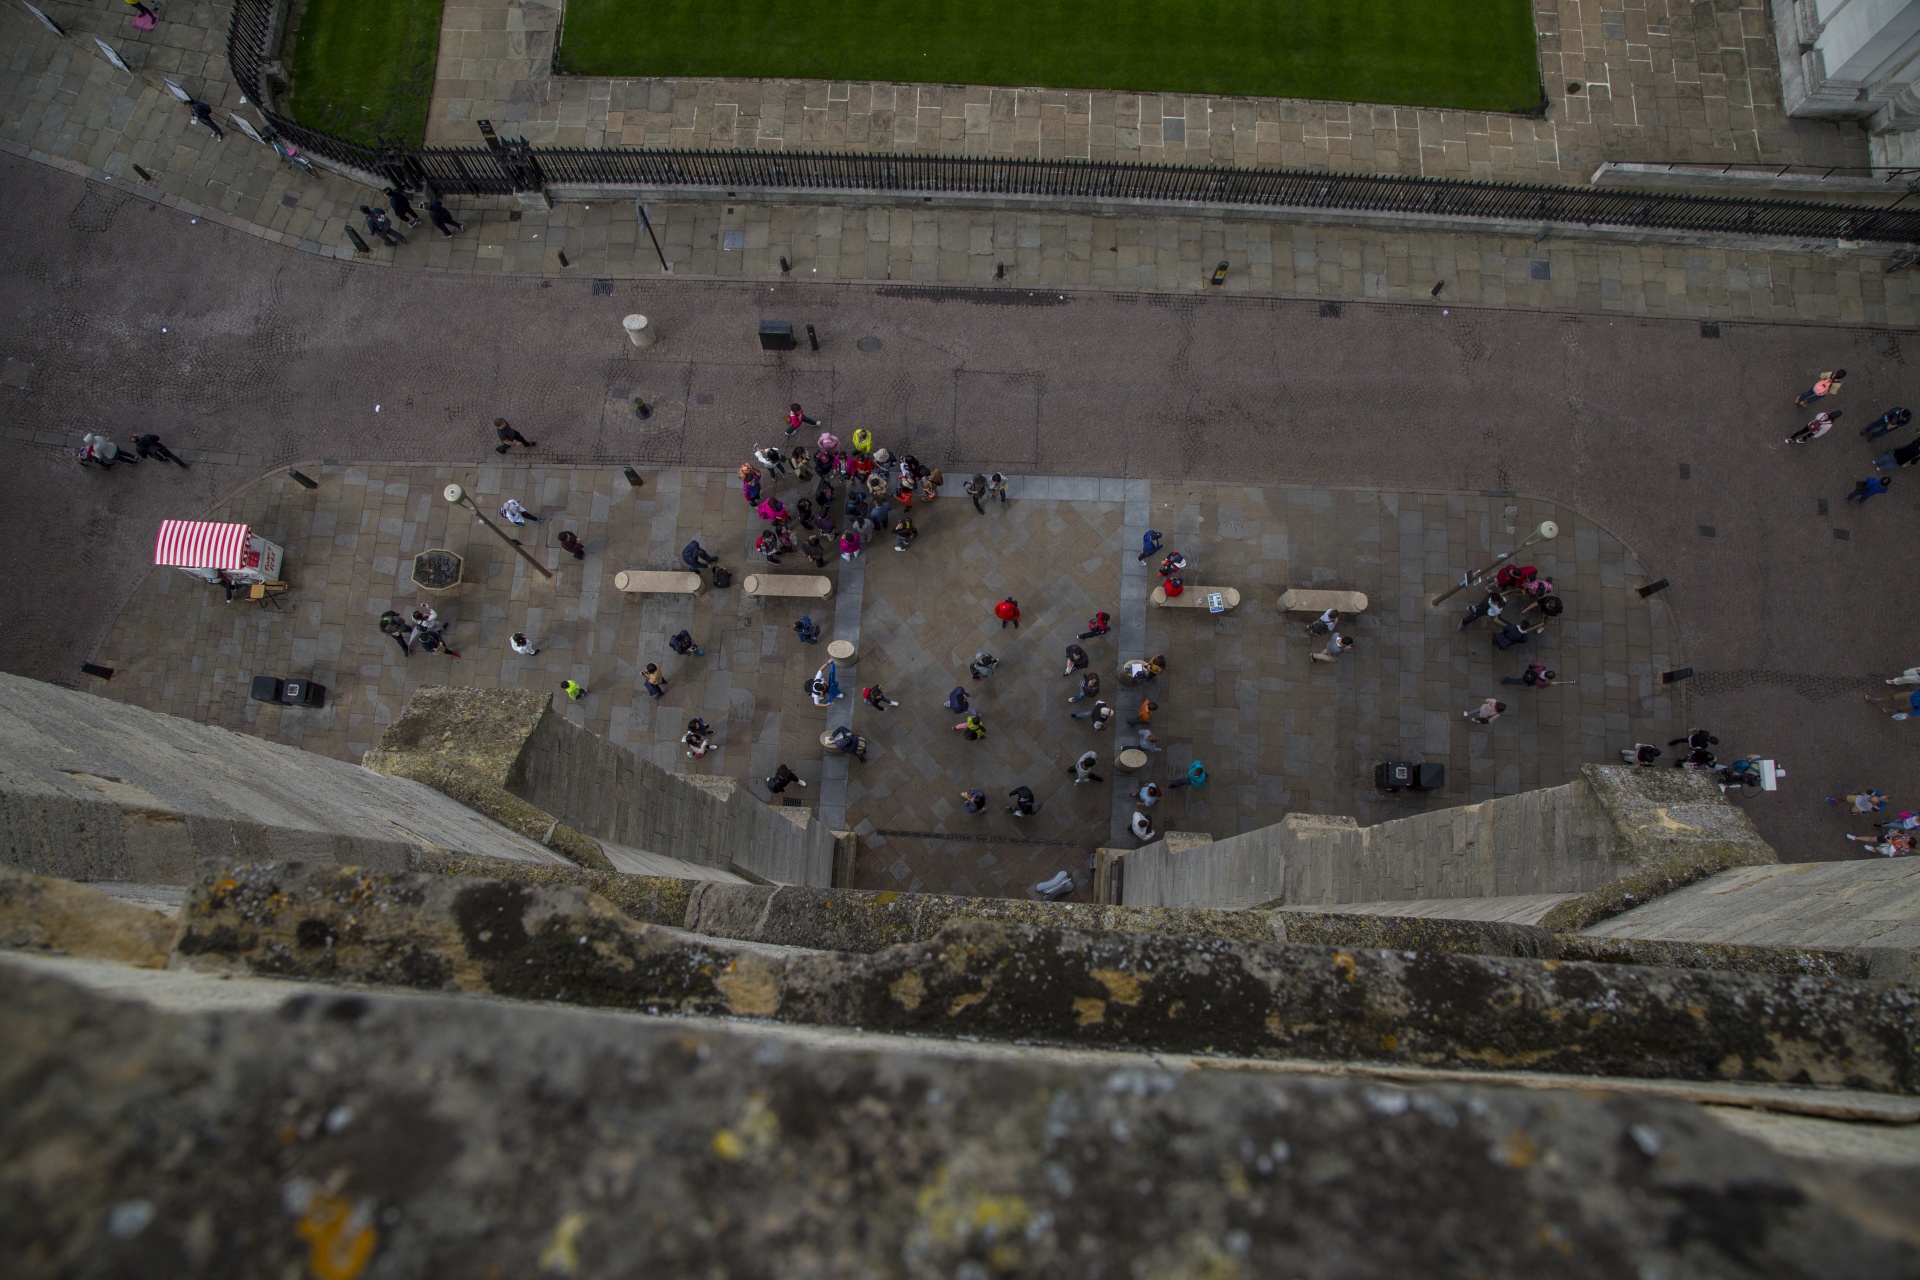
(776, 335)
(1429, 777)
(1394, 775)
(266, 688)
(303, 693)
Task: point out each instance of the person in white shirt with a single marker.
(1142, 827)
(521, 645)
(513, 513)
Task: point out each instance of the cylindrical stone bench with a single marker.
(1196, 597)
(1296, 600)
(809, 586)
(667, 581)
(640, 332)
(842, 652)
(1132, 760)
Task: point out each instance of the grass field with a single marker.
(1474, 54)
(363, 69)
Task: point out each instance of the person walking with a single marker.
(1196, 776)
(434, 642)
(772, 459)
(768, 546)
(1142, 827)
(1089, 687)
(1144, 715)
(697, 557)
(976, 489)
(446, 223)
(1890, 421)
(863, 442)
(513, 513)
(814, 550)
(1337, 644)
(699, 739)
(1827, 384)
(519, 643)
(1144, 736)
(797, 418)
(904, 533)
(1696, 740)
(1100, 714)
(98, 448)
(509, 438)
(1149, 545)
(1024, 805)
(1098, 625)
(849, 545)
(1821, 424)
(957, 701)
(655, 682)
(149, 446)
(570, 541)
(1871, 487)
(848, 743)
(1148, 795)
(392, 624)
(783, 777)
(573, 689)
(1490, 607)
(1082, 769)
(982, 665)
(1536, 676)
(1076, 659)
(1517, 633)
(1910, 676)
(1641, 753)
(1487, 712)
(1867, 800)
(974, 800)
(401, 206)
(808, 630)
(201, 114)
(1900, 708)
(877, 698)
(682, 644)
(1904, 456)
(973, 728)
(997, 487)
(381, 225)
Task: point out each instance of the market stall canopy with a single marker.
(197, 544)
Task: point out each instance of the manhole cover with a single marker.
(868, 344)
(733, 239)
(1541, 270)
(1174, 128)
(17, 374)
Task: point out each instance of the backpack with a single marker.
(722, 576)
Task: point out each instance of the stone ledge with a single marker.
(1041, 985)
(481, 1135)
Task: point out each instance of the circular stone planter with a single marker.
(437, 569)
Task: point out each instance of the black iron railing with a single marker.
(518, 167)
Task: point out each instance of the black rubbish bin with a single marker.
(1429, 777)
(776, 335)
(1394, 775)
(303, 693)
(266, 688)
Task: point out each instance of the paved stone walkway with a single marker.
(64, 105)
(245, 357)
(1278, 733)
(1659, 80)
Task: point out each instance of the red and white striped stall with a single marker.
(208, 550)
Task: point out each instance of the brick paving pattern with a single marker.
(1659, 80)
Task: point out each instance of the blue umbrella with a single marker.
(833, 684)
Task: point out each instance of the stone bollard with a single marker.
(639, 332)
(1131, 760)
(842, 652)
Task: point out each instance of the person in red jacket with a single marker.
(1008, 611)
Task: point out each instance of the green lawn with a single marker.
(363, 69)
(1475, 54)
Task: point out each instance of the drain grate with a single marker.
(603, 288)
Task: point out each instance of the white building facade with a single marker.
(1854, 60)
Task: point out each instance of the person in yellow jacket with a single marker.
(862, 440)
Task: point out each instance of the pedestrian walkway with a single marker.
(1624, 80)
(62, 104)
(1277, 732)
